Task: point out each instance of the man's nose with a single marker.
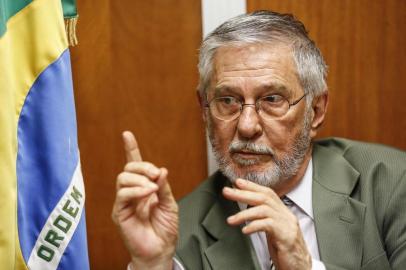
(249, 124)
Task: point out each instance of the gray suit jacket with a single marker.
(359, 204)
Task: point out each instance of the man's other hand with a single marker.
(145, 210)
(268, 213)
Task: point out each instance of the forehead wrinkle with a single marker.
(246, 70)
(222, 73)
(274, 83)
(252, 53)
(234, 68)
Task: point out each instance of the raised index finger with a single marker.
(132, 151)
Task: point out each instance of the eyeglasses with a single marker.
(229, 108)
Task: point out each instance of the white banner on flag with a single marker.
(60, 226)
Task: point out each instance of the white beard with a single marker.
(284, 167)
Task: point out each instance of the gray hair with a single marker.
(267, 27)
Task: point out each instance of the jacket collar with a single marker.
(232, 250)
(338, 217)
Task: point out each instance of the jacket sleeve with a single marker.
(394, 227)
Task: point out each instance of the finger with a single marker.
(248, 197)
(165, 193)
(251, 186)
(132, 194)
(132, 151)
(143, 208)
(145, 168)
(126, 179)
(258, 226)
(249, 214)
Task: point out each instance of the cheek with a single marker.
(277, 134)
(281, 134)
(224, 133)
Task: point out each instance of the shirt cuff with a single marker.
(176, 265)
(318, 265)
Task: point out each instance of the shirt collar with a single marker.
(301, 194)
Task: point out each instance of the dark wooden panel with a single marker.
(363, 43)
(135, 69)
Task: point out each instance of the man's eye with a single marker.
(228, 100)
(273, 99)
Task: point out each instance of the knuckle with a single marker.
(130, 166)
(268, 222)
(267, 201)
(124, 194)
(145, 166)
(142, 167)
(150, 167)
(263, 210)
(269, 192)
(121, 177)
(238, 216)
(263, 198)
(120, 194)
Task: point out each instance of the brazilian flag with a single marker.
(42, 217)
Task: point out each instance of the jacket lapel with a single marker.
(233, 249)
(338, 217)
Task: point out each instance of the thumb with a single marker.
(164, 192)
(132, 151)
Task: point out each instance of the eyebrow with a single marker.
(268, 87)
(276, 87)
(224, 88)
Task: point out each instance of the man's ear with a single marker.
(202, 105)
(319, 107)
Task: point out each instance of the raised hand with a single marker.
(145, 210)
(268, 213)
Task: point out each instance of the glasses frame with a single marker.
(256, 105)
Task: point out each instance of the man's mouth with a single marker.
(248, 154)
(250, 158)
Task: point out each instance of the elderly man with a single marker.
(280, 199)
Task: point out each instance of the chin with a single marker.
(268, 175)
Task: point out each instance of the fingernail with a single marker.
(230, 219)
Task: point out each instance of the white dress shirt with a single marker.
(302, 208)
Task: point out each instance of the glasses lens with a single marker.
(225, 107)
(273, 106)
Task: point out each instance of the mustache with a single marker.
(239, 146)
